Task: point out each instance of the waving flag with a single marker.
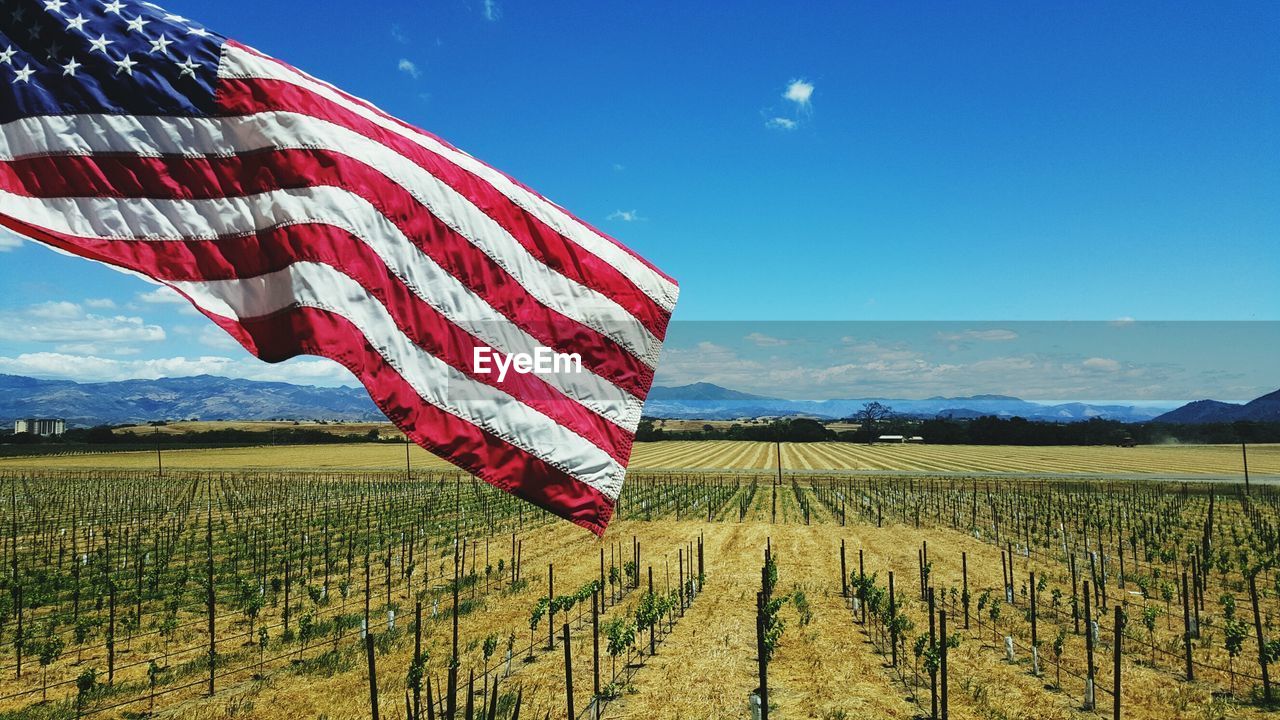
(303, 220)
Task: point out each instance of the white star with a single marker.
(18, 12)
(76, 23)
(54, 5)
(23, 74)
(137, 23)
(189, 67)
(100, 44)
(115, 6)
(55, 49)
(70, 67)
(125, 65)
(6, 56)
(174, 18)
(198, 32)
(160, 45)
(33, 32)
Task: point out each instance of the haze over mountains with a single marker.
(207, 397)
(203, 397)
(706, 401)
(1263, 409)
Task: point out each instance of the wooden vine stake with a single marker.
(1115, 654)
(1088, 648)
(1262, 645)
(942, 661)
(373, 675)
(568, 672)
(1186, 628)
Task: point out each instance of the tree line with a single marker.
(977, 431)
(106, 435)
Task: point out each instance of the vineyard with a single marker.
(418, 593)
(1207, 461)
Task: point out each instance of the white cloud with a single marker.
(100, 303)
(94, 368)
(215, 337)
(59, 310)
(799, 95)
(68, 324)
(1101, 364)
(9, 240)
(96, 349)
(993, 335)
(762, 340)
(162, 296)
(799, 92)
(397, 33)
(1123, 321)
(619, 167)
(408, 67)
(491, 10)
(165, 295)
(625, 215)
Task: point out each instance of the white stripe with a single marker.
(238, 63)
(180, 219)
(320, 286)
(196, 137)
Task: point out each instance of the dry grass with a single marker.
(384, 428)
(706, 668)
(1211, 460)
(1172, 460)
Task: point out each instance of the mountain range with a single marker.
(705, 401)
(203, 397)
(1263, 409)
(207, 397)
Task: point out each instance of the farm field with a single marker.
(1173, 460)
(109, 571)
(929, 459)
(384, 428)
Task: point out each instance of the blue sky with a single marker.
(794, 161)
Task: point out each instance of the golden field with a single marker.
(1174, 460)
(265, 504)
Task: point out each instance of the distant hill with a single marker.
(700, 392)
(203, 397)
(706, 401)
(207, 397)
(1263, 409)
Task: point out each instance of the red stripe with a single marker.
(245, 97)
(499, 463)
(308, 331)
(435, 333)
(213, 177)
(420, 131)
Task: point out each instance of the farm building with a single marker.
(40, 426)
(891, 439)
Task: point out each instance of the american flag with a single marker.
(303, 220)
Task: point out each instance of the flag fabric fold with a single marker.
(303, 220)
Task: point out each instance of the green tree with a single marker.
(621, 632)
(48, 647)
(1149, 622)
(490, 645)
(1059, 644)
(535, 617)
(86, 683)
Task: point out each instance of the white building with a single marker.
(40, 426)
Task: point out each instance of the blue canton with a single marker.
(61, 57)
